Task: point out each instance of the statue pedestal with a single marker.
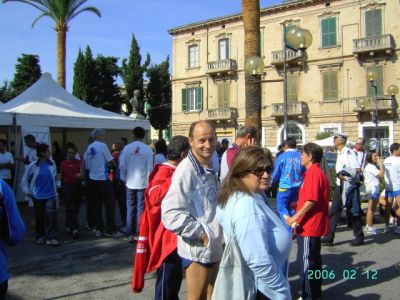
(136, 116)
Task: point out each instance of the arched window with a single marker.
(295, 130)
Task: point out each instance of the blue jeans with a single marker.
(283, 200)
(134, 209)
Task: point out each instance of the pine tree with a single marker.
(27, 72)
(107, 94)
(159, 96)
(79, 85)
(5, 92)
(90, 77)
(132, 70)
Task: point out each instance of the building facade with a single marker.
(327, 85)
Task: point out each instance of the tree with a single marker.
(5, 92)
(159, 96)
(132, 71)
(251, 23)
(62, 12)
(322, 135)
(79, 85)
(85, 77)
(27, 72)
(107, 95)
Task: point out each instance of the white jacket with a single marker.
(189, 209)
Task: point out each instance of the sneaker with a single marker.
(371, 230)
(53, 242)
(131, 239)
(75, 234)
(397, 229)
(40, 241)
(356, 243)
(386, 229)
(99, 233)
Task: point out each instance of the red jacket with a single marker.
(155, 242)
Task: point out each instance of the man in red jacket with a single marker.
(156, 248)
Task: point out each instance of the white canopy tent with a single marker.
(327, 142)
(46, 103)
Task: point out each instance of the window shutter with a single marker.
(373, 22)
(184, 100)
(223, 95)
(325, 79)
(334, 85)
(379, 82)
(292, 88)
(227, 49)
(200, 99)
(328, 28)
(330, 85)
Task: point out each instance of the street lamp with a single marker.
(295, 39)
(392, 90)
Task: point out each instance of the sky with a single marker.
(109, 35)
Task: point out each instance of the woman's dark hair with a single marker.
(161, 147)
(40, 149)
(314, 150)
(246, 159)
(368, 159)
(176, 146)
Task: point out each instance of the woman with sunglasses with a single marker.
(262, 237)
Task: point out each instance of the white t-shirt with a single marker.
(135, 165)
(371, 178)
(6, 157)
(392, 173)
(96, 158)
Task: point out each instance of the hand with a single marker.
(290, 221)
(204, 238)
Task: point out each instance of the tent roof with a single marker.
(46, 103)
(325, 142)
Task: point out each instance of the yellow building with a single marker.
(328, 89)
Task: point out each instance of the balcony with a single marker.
(298, 109)
(223, 113)
(291, 57)
(219, 67)
(367, 104)
(374, 44)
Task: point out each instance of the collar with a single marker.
(234, 145)
(199, 168)
(343, 150)
(290, 150)
(47, 160)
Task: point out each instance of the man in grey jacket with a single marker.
(189, 209)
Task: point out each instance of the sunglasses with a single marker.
(259, 171)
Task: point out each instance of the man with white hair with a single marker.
(97, 160)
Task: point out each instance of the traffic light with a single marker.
(375, 118)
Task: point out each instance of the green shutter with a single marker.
(373, 22)
(328, 28)
(223, 95)
(330, 85)
(379, 82)
(200, 99)
(292, 88)
(184, 100)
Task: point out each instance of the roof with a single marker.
(46, 103)
(238, 16)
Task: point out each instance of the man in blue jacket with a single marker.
(288, 177)
(12, 230)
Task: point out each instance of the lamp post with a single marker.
(392, 91)
(295, 39)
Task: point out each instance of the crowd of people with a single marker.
(181, 202)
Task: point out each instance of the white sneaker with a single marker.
(371, 231)
(397, 229)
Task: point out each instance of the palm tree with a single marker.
(251, 23)
(62, 12)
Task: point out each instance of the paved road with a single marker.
(101, 268)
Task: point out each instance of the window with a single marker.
(223, 95)
(192, 99)
(330, 85)
(193, 56)
(293, 131)
(291, 88)
(328, 32)
(223, 45)
(373, 22)
(378, 83)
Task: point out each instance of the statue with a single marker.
(137, 105)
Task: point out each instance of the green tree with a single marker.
(5, 92)
(159, 96)
(132, 70)
(322, 135)
(62, 12)
(79, 85)
(27, 72)
(107, 94)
